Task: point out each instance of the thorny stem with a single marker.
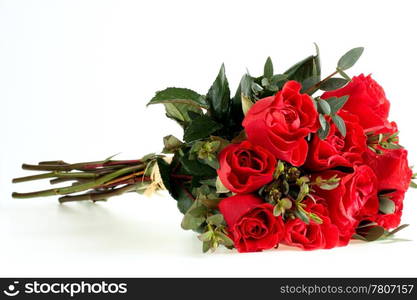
(98, 196)
(81, 186)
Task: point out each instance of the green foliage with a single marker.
(268, 68)
(349, 58)
(386, 205)
(218, 97)
(171, 144)
(200, 128)
(333, 84)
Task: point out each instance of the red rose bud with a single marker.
(355, 199)
(367, 100)
(313, 235)
(251, 223)
(280, 123)
(336, 150)
(245, 168)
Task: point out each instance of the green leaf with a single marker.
(336, 103)
(200, 128)
(179, 112)
(333, 84)
(386, 205)
(194, 217)
(179, 96)
(323, 122)
(206, 246)
(171, 144)
(194, 167)
(277, 210)
(324, 107)
(340, 124)
(190, 222)
(268, 68)
(324, 132)
(220, 188)
(374, 233)
(413, 185)
(305, 69)
(206, 236)
(309, 83)
(344, 75)
(302, 216)
(278, 78)
(218, 97)
(217, 219)
(225, 240)
(246, 104)
(350, 58)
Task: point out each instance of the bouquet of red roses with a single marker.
(276, 163)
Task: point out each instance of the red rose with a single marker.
(251, 223)
(245, 168)
(336, 150)
(312, 236)
(394, 176)
(391, 169)
(280, 123)
(366, 100)
(354, 200)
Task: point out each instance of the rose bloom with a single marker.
(251, 223)
(313, 235)
(336, 150)
(245, 168)
(355, 199)
(394, 176)
(367, 100)
(280, 123)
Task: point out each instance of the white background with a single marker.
(74, 80)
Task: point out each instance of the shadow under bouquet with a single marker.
(290, 158)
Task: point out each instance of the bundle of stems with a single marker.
(95, 181)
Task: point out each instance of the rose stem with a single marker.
(98, 196)
(78, 166)
(73, 175)
(79, 187)
(321, 82)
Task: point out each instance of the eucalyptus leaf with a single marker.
(333, 84)
(374, 233)
(336, 103)
(340, 124)
(324, 132)
(386, 205)
(302, 216)
(350, 58)
(324, 107)
(323, 122)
